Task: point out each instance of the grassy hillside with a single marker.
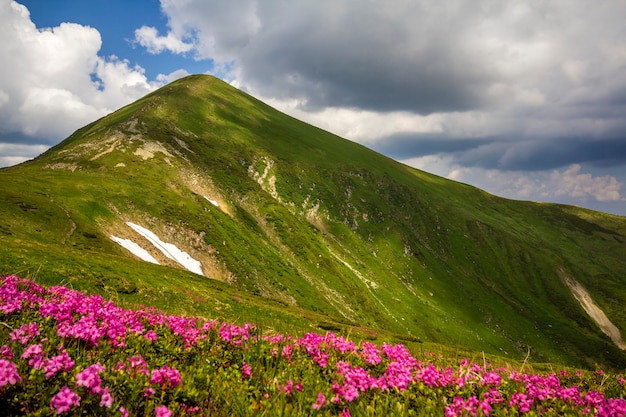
(65, 352)
(309, 229)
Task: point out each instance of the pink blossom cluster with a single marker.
(64, 400)
(136, 365)
(353, 370)
(89, 318)
(18, 294)
(237, 335)
(90, 378)
(78, 317)
(25, 333)
(289, 386)
(246, 370)
(8, 373)
(166, 377)
(59, 363)
(402, 371)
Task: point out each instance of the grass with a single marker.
(450, 264)
(63, 352)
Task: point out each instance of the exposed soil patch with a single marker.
(583, 297)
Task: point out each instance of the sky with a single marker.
(524, 99)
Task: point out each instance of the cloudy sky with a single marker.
(525, 99)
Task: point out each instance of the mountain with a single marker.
(251, 214)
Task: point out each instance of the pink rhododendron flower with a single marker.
(350, 393)
(371, 353)
(321, 402)
(138, 364)
(8, 373)
(90, 378)
(64, 400)
(58, 363)
(210, 325)
(6, 352)
(612, 407)
(162, 411)
(189, 410)
(34, 354)
(464, 389)
(521, 401)
(289, 386)
(166, 376)
(106, 399)
(151, 335)
(25, 333)
(235, 334)
(246, 370)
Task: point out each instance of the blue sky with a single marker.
(523, 99)
(117, 20)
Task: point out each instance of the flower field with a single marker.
(63, 352)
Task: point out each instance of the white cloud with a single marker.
(218, 29)
(4, 98)
(569, 185)
(149, 38)
(52, 80)
(50, 110)
(165, 79)
(120, 83)
(573, 183)
(575, 70)
(441, 165)
(11, 154)
(362, 126)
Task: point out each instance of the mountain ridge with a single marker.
(317, 222)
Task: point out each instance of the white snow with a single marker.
(169, 250)
(215, 203)
(135, 249)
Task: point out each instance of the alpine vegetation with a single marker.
(64, 352)
(201, 200)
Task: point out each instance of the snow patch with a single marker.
(169, 250)
(135, 249)
(215, 203)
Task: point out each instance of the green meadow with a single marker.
(312, 232)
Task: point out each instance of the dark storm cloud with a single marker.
(17, 138)
(406, 146)
(508, 154)
(373, 75)
(541, 155)
(418, 91)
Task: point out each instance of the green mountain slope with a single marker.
(289, 222)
